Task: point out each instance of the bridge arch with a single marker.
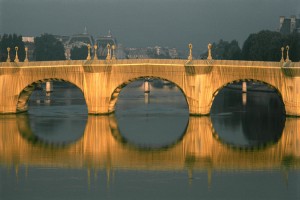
(115, 94)
(272, 86)
(25, 93)
(259, 128)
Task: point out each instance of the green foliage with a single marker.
(47, 47)
(12, 41)
(79, 53)
(262, 46)
(266, 46)
(293, 40)
(225, 50)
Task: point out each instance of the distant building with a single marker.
(78, 40)
(137, 53)
(28, 39)
(120, 52)
(62, 38)
(152, 52)
(160, 52)
(102, 42)
(289, 25)
(173, 53)
(29, 43)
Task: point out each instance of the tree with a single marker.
(225, 50)
(266, 46)
(79, 53)
(47, 47)
(233, 51)
(262, 46)
(12, 41)
(293, 40)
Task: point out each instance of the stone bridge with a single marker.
(101, 80)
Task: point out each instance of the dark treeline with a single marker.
(226, 50)
(266, 46)
(46, 47)
(79, 53)
(11, 41)
(261, 46)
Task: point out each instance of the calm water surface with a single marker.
(150, 148)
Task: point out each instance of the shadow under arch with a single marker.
(116, 92)
(246, 123)
(271, 89)
(24, 95)
(115, 131)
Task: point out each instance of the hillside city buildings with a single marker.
(83, 39)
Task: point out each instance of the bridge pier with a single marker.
(9, 94)
(97, 92)
(292, 108)
(198, 89)
(290, 90)
(199, 110)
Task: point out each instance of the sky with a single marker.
(142, 23)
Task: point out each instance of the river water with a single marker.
(150, 148)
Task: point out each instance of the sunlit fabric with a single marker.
(101, 81)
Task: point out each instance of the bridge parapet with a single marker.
(245, 63)
(56, 63)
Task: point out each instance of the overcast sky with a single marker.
(140, 23)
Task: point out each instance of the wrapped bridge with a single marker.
(101, 80)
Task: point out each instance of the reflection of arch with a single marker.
(26, 132)
(215, 93)
(261, 146)
(118, 89)
(98, 149)
(24, 95)
(254, 130)
(115, 131)
(23, 123)
(24, 127)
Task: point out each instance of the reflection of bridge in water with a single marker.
(101, 81)
(102, 147)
